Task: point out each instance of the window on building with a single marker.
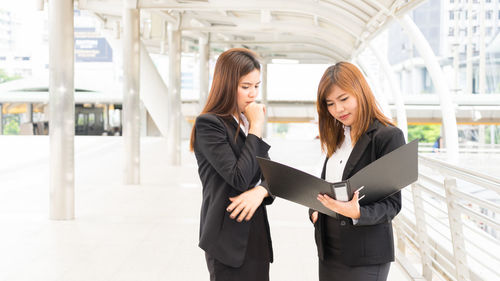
(499, 14)
(488, 1)
(451, 31)
(452, 15)
(426, 82)
(489, 14)
(488, 31)
(474, 29)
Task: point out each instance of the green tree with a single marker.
(425, 133)
(11, 125)
(4, 77)
(488, 135)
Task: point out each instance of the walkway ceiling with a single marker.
(310, 31)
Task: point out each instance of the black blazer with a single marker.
(371, 240)
(226, 169)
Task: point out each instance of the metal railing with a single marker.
(471, 148)
(448, 228)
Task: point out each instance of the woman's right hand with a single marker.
(255, 113)
(314, 216)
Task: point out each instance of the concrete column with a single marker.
(174, 96)
(440, 82)
(106, 117)
(131, 100)
(482, 50)
(263, 88)
(163, 43)
(62, 110)
(144, 120)
(482, 135)
(469, 54)
(29, 112)
(203, 69)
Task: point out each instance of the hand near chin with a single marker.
(255, 114)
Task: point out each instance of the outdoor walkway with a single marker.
(142, 233)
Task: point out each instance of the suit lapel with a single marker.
(232, 127)
(358, 150)
(235, 126)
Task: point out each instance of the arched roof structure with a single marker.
(308, 30)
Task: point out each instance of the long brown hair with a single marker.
(349, 78)
(230, 67)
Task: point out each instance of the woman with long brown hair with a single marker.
(226, 138)
(358, 243)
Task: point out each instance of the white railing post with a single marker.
(397, 224)
(457, 235)
(423, 241)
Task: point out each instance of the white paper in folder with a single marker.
(341, 193)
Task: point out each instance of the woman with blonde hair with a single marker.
(226, 138)
(358, 243)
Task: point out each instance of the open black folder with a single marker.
(382, 178)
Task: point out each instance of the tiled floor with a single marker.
(144, 232)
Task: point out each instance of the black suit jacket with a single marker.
(227, 169)
(371, 240)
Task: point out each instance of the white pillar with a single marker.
(174, 96)
(440, 82)
(62, 110)
(203, 70)
(131, 100)
(396, 93)
(264, 96)
(482, 134)
(29, 112)
(482, 50)
(163, 43)
(106, 117)
(469, 67)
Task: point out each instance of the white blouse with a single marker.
(336, 163)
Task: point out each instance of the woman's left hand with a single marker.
(348, 209)
(246, 203)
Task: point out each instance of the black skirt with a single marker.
(255, 266)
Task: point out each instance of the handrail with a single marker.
(463, 173)
(446, 221)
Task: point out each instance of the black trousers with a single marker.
(251, 270)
